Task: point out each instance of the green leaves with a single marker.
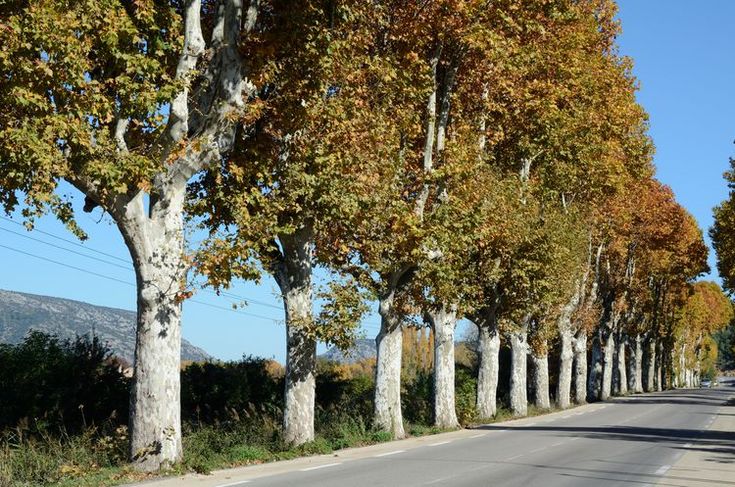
(341, 313)
(70, 70)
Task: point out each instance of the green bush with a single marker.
(465, 390)
(216, 392)
(50, 384)
(416, 399)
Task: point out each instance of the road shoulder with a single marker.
(241, 476)
(710, 460)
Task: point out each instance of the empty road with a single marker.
(627, 441)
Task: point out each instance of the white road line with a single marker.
(538, 449)
(478, 436)
(529, 424)
(440, 443)
(513, 458)
(321, 466)
(579, 414)
(390, 453)
(232, 484)
(662, 470)
(567, 416)
(558, 444)
(688, 445)
(576, 438)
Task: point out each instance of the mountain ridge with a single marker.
(67, 318)
(364, 348)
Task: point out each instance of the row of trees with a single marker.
(449, 159)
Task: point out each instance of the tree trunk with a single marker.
(637, 361)
(580, 367)
(659, 368)
(487, 380)
(293, 276)
(681, 375)
(566, 357)
(519, 349)
(594, 380)
(389, 342)
(156, 244)
(607, 367)
(444, 322)
(540, 363)
(622, 368)
(651, 368)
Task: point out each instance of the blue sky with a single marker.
(684, 57)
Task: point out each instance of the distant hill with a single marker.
(364, 348)
(21, 312)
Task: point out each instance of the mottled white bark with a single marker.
(681, 372)
(300, 386)
(156, 243)
(651, 366)
(566, 357)
(540, 362)
(444, 322)
(580, 367)
(594, 379)
(566, 337)
(430, 133)
(637, 361)
(659, 368)
(387, 404)
(293, 273)
(608, 365)
(622, 382)
(487, 380)
(518, 374)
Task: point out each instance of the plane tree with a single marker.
(125, 101)
(323, 99)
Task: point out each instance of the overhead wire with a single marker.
(365, 325)
(128, 283)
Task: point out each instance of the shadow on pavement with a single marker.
(720, 444)
(714, 398)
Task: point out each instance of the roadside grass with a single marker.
(92, 459)
(89, 460)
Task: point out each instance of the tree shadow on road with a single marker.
(721, 444)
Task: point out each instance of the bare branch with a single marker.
(178, 127)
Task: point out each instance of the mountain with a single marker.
(21, 312)
(364, 348)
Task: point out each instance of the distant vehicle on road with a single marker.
(705, 383)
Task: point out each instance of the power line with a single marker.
(128, 283)
(127, 268)
(68, 265)
(247, 300)
(67, 240)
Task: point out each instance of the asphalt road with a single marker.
(629, 441)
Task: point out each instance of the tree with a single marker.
(299, 172)
(706, 311)
(126, 102)
(723, 233)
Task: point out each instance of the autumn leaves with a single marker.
(448, 159)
